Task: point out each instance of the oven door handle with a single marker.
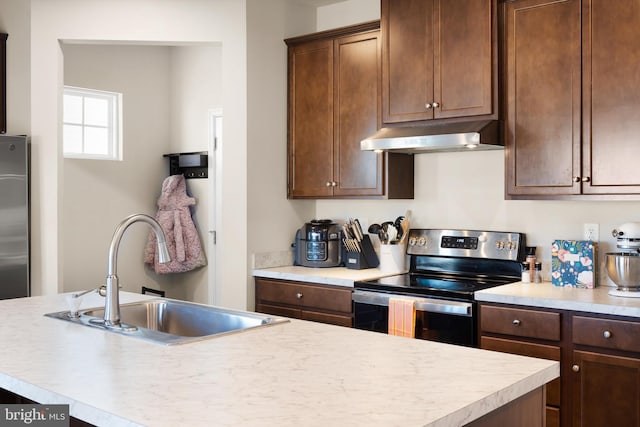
(430, 305)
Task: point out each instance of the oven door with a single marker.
(442, 320)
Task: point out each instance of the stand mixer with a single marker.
(623, 267)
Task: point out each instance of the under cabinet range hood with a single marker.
(461, 136)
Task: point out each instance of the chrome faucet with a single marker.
(112, 302)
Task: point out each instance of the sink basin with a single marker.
(172, 322)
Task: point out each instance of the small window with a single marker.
(92, 124)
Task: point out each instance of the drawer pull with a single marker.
(606, 334)
(575, 368)
(299, 295)
(516, 322)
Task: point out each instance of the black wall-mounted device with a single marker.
(191, 165)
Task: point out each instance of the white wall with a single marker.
(272, 219)
(98, 194)
(142, 21)
(196, 88)
(347, 13)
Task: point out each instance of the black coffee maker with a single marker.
(318, 244)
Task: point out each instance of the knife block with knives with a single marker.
(359, 249)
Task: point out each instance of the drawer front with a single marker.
(277, 310)
(553, 417)
(332, 319)
(521, 348)
(605, 333)
(302, 295)
(520, 322)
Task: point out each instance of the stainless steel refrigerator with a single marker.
(14, 216)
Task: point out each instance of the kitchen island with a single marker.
(294, 374)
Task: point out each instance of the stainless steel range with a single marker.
(446, 268)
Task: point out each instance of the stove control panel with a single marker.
(467, 243)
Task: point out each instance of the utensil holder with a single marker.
(366, 258)
(393, 258)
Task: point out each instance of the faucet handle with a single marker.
(102, 290)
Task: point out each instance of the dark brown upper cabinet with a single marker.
(439, 59)
(3, 82)
(334, 87)
(572, 98)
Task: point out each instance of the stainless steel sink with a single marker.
(172, 322)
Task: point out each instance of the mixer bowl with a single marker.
(624, 270)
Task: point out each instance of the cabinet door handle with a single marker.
(576, 179)
(327, 184)
(299, 295)
(427, 106)
(435, 105)
(606, 334)
(575, 368)
(586, 179)
(334, 184)
(516, 322)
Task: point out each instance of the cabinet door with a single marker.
(606, 390)
(356, 115)
(543, 75)
(611, 122)
(463, 58)
(407, 60)
(311, 119)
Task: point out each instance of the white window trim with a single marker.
(114, 127)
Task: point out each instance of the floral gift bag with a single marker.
(573, 263)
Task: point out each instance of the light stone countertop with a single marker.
(294, 374)
(338, 276)
(546, 295)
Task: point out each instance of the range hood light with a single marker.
(460, 136)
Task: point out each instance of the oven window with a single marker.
(429, 326)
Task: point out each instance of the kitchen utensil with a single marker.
(374, 228)
(392, 231)
(404, 224)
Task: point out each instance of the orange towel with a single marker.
(402, 317)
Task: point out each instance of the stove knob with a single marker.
(499, 244)
(422, 241)
(412, 241)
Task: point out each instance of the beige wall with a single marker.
(196, 89)
(15, 21)
(272, 219)
(98, 194)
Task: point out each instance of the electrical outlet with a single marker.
(592, 232)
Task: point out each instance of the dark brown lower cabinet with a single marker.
(599, 359)
(307, 301)
(525, 332)
(606, 390)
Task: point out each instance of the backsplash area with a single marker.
(272, 259)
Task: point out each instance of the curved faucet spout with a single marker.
(112, 301)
